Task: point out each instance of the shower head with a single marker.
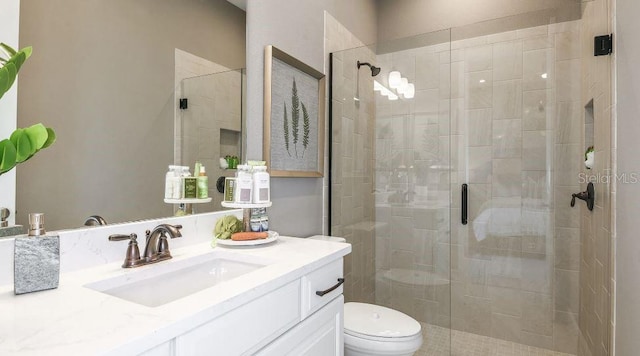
(374, 70)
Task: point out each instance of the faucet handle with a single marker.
(121, 237)
(132, 258)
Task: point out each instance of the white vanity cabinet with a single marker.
(291, 320)
(318, 335)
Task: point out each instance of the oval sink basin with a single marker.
(161, 283)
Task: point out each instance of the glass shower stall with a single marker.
(452, 170)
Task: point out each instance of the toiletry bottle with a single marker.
(184, 174)
(196, 169)
(264, 220)
(175, 182)
(190, 185)
(244, 184)
(203, 184)
(256, 215)
(169, 182)
(261, 185)
(36, 259)
(229, 189)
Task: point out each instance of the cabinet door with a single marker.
(246, 329)
(318, 335)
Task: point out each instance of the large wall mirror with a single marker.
(106, 76)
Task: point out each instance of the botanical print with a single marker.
(294, 119)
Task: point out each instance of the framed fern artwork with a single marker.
(294, 95)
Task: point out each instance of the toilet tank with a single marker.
(328, 238)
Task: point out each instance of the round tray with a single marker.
(187, 201)
(228, 204)
(273, 236)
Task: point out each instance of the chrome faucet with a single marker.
(95, 220)
(157, 248)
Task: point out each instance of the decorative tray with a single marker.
(273, 236)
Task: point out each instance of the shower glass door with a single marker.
(515, 142)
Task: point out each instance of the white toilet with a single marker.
(371, 330)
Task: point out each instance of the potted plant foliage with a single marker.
(23, 142)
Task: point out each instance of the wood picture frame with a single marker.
(294, 116)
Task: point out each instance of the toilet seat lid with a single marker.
(378, 321)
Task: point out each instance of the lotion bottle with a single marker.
(203, 184)
(261, 185)
(244, 185)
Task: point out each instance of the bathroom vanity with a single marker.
(281, 298)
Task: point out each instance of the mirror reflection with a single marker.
(107, 75)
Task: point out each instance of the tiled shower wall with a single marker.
(510, 104)
(597, 253)
(352, 210)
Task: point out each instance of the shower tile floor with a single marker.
(436, 343)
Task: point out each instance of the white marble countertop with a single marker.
(76, 320)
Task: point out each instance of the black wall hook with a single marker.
(589, 196)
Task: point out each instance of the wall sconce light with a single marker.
(404, 84)
(410, 92)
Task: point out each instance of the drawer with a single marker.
(322, 279)
(246, 329)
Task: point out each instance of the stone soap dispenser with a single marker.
(36, 259)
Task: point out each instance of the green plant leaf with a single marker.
(51, 138)
(18, 60)
(13, 73)
(4, 81)
(37, 136)
(12, 52)
(7, 156)
(21, 141)
(27, 51)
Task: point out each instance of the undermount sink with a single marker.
(155, 285)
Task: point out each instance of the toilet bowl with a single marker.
(373, 330)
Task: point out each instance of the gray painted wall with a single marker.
(296, 27)
(102, 75)
(627, 54)
(403, 18)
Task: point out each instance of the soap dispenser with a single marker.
(36, 259)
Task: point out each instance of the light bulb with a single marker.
(404, 85)
(410, 92)
(394, 79)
